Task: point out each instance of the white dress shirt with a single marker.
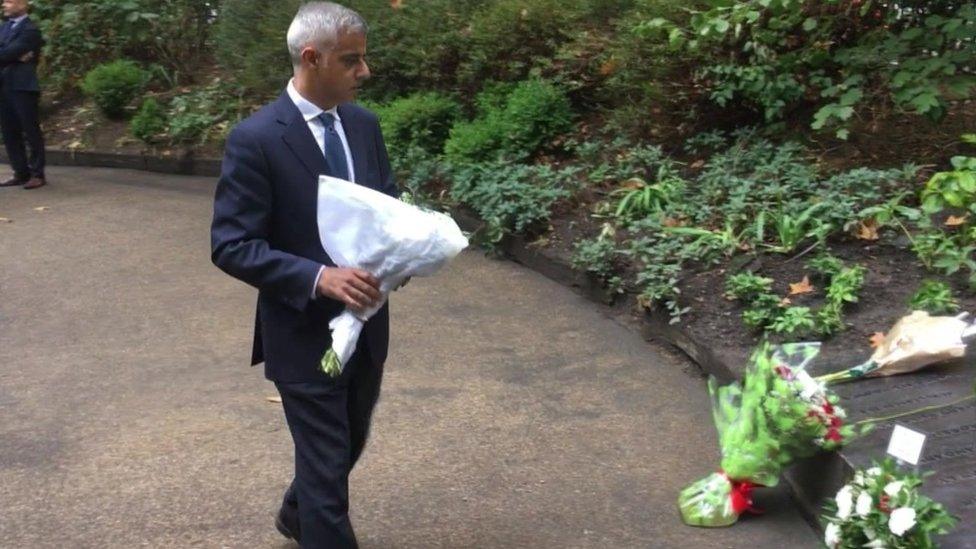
(16, 21)
(310, 111)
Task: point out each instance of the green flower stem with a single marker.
(330, 364)
(913, 412)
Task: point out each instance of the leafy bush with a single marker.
(534, 113)
(204, 113)
(778, 55)
(599, 257)
(114, 85)
(509, 197)
(934, 297)
(82, 33)
(149, 123)
(421, 120)
(250, 43)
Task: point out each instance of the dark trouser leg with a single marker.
(317, 418)
(30, 123)
(13, 135)
(364, 392)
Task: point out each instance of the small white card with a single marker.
(906, 444)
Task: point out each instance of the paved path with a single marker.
(513, 415)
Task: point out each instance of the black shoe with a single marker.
(286, 522)
(14, 182)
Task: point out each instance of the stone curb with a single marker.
(185, 164)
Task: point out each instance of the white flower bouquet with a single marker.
(365, 229)
(882, 508)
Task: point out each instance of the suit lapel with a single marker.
(357, 143)
(299, 138)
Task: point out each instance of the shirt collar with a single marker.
(17, 20)
(308, 109)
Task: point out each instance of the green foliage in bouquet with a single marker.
(330, 364)
(112, 86)
(882, 507)
(778, 414)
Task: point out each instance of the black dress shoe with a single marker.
(286, 521)
(14, 182)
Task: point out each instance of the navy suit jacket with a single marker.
(265, 232)
(16, 75)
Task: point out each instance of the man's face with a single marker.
(341, 71)
(14, 8)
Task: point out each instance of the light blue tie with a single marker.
(335, 154)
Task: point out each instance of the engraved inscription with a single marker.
(949, 454)
(952, 479)
(916, 400)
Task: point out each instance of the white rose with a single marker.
(845, 500)
(859, 478)
(876, 544)
(902, 520)
(809, 386)
(892, 488)
(832, 535)
(874, 471)
(864, 504)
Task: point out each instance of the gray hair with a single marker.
(319, 24)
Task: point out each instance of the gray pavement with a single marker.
(514, 414)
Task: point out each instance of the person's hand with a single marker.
(358, 289)
(27, 57)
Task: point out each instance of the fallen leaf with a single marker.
(785, 302)
(955, 221)
(868, 230)
(801, 287)
(697, 164)
(672, 222)
(396, 4)
(877, 339)
(41, 209)
(609, 67)
(633, 183)
(6, 220)
(276, 399)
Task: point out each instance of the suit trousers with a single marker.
(19, 119)
(329, 423)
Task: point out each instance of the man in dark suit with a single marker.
(265, 233)
(20, 46)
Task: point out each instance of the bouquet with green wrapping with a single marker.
(776, 415)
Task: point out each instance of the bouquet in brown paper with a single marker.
(914, 342)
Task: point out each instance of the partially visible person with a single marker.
(20, 46)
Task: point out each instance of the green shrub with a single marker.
(509, 197)
(934, 297)
(534, 113)
(204, 113)
(250, 43)
(407, 53)
(150, 122)
(420, 120)
(174, 35)
(114, 85)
